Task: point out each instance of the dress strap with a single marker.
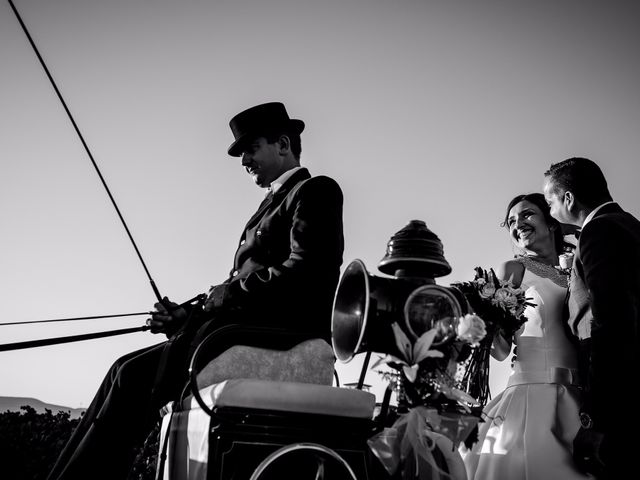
(543, 270)
(558, 375)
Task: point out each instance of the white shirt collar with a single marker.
(594, 211)
(278, 182)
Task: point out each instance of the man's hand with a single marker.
(587, 451)
(217, 295)
(167, 318)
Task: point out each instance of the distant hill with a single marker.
(14, 404)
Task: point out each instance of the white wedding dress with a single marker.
(530, 426)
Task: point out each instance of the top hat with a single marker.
(267, 117)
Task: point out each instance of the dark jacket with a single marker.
(287, 265)
(608, 266)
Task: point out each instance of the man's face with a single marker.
(263, 161)
(557, 202)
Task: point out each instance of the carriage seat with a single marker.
(250, 401)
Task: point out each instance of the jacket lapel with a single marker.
(573, 293)
(268, 199)
(300, 175)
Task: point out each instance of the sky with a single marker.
(440, 111)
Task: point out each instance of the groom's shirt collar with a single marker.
(594, 211)
(278, 182)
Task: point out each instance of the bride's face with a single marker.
(528, 228)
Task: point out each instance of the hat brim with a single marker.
(294, 126)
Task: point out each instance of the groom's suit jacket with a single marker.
(287, 264)
(604, 304)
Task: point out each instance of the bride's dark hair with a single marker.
(539, 201)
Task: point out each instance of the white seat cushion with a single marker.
(290, 397)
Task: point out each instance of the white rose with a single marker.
(471, 329)
(566, 260)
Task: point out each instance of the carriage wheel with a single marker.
(304, 461)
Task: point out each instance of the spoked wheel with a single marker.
(304, 461)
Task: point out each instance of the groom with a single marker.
(604, 313)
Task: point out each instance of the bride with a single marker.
(530, 426)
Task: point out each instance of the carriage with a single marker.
(265, 403)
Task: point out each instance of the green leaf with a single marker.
(387, 360)
(494, 278)
(435, 354)
(403, 342)
(421, 348)
(411, 372)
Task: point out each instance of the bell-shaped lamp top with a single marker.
(415, 251)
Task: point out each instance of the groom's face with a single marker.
(557, 201)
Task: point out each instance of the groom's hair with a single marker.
(583, 178)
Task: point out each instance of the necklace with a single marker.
(544, 270)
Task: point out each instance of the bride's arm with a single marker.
(501, 347)
(512, 271)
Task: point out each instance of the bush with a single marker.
(30, 443)
(144, 466)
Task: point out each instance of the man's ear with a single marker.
(569, 200)
(284, 144)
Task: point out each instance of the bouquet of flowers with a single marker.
(501, 306)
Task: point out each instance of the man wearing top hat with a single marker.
(285, 272)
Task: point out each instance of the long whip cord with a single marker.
(86, 147)
(71, 338)
(74, 319)
(5, 347)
